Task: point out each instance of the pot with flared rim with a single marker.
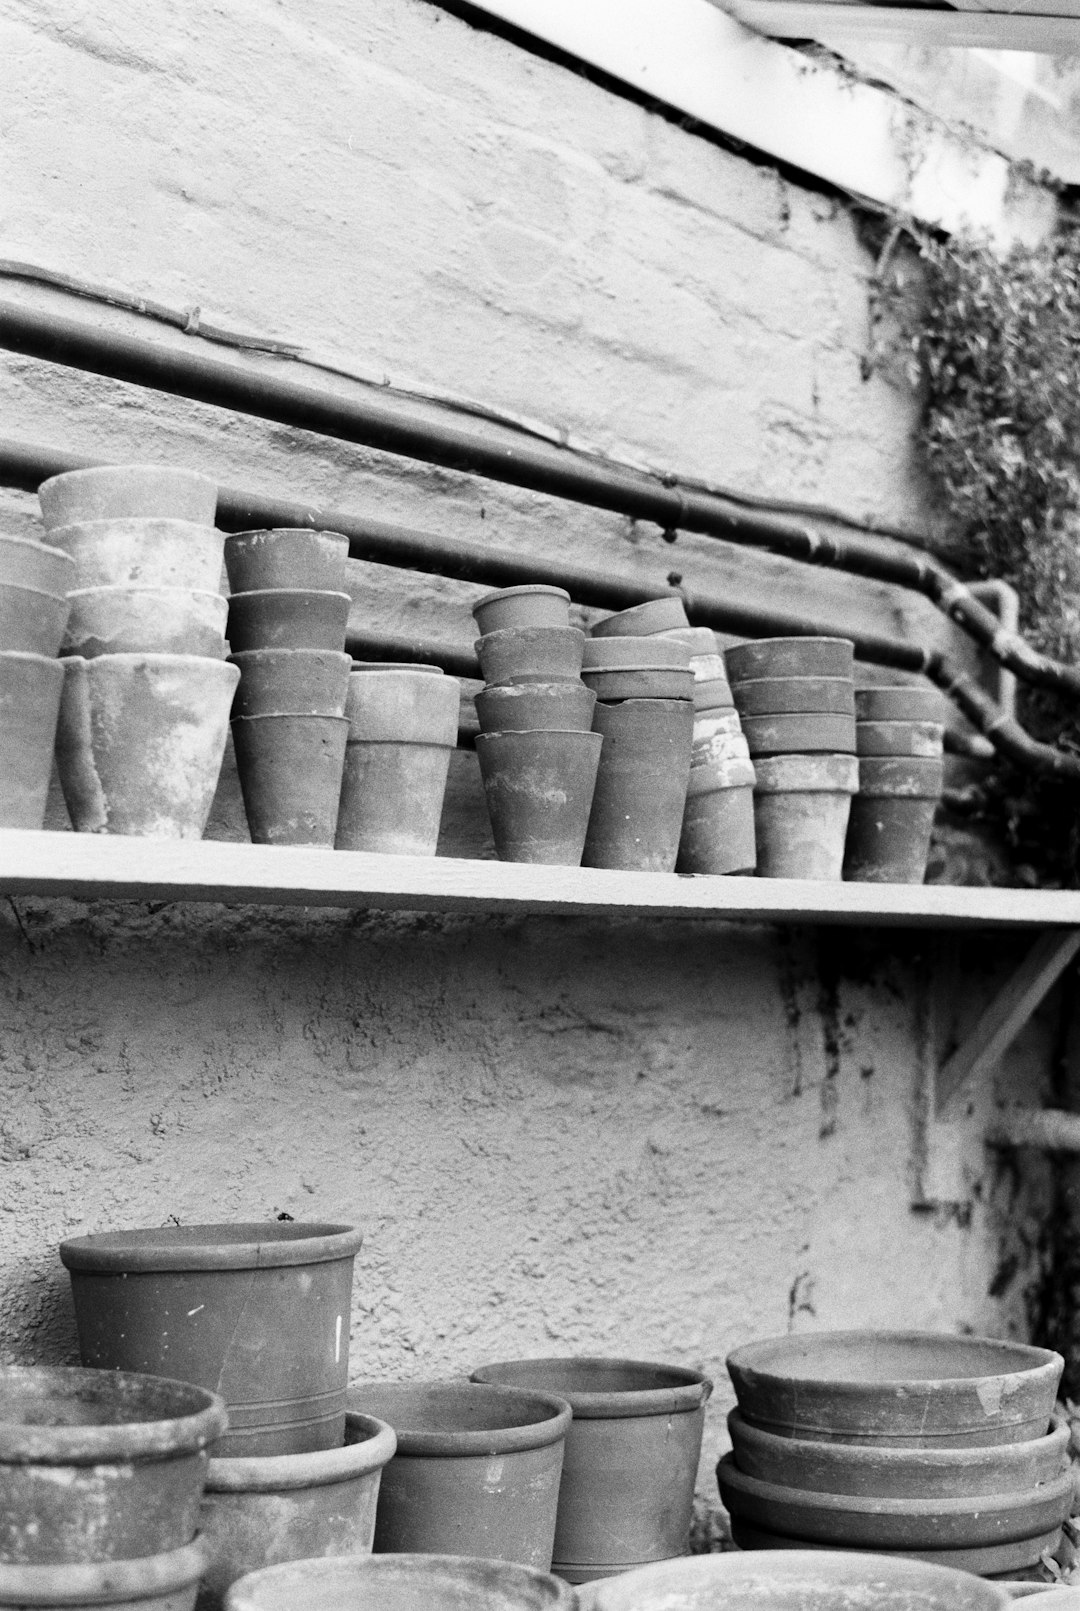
(531, 604)
(530, 654)
(539, 790)
(790, 657)
(402, 1583)
(163, 1582)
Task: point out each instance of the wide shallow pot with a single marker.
(531, 654)
(785, 696)
(140, 741)
(476, 1471)
(718, 821)
(608, 654)
(883, 1472)
(31, 564)
(900, 704)
(982, 1561)
(539, 789)
(288, 618)
(888, 839)
(291, 682)
(801, 809)
(99, 1465)
(125, 491)
(145, 620)
(637, 809)
(258, 1313)
(812, 734)
(32, 621)
(640, 682)
(790, 657)
(138, 552)
(920, 1389)
(631, 1457)
(403, 727)
(403, 1583)
(531, 605)
(900, 738)
(290, 771)
(162, 1582)
(286, 557)
(30, 689)
(533, 707)
(644, 620)
(292, 1507)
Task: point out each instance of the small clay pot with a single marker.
(1002, 1561)
(539, 791)
(30, 689)
(907, 703)
(786, 696)
(536, 707)
(164, 1582)
(143, 553)
(286, 557)
(924, 739)
(904, 777)
(799, 735)
(718, 822)
(531, 605)
(407, 1583)
(888, 839)
(32, 621)
(641, 682)
(291, 682)
(145, 620)
(288, 618)
(715, 742)
(290, 776)
(604, 654)
(637, 809)
(665, 615)
(701, 641)
(403, 730)
(801, 809)
(712, 694)
(30, 564)
(124, 491)
(790, 657)
(531, 654)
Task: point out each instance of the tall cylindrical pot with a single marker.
(801, 809)
(539, 789)
(30, 690)
(403, 729)
(404, 1583)
(641, 784)
(290, 776)
(159, 1582)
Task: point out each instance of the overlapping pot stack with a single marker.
(35, 579)
(900, 742)
(901, 1443)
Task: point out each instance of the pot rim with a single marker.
(750, 1362)
(139, 588)
(540, 732)
(521, 590)
(138, 522)
(688, 1390)
(484, 1441)
(938, 1457)
(163, 1437)
(33, 542)
(250, 656)
(41, 592)
(154, 1248)
(104, 664)
(110, 1583)
(286, 716)
(463, 1570)
(289, 592)
(282, 1473)
(286, 531)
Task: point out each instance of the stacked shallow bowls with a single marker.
(900, 740)
(911, 1443)
(34, 583)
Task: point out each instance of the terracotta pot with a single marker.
(637, 809)
(288, 618)
(532, 605)
(640, 682)
(913, 1389)
(901, 777)
(289, 557)
(883, 1472)
(604, 654)
(143, 553)
(644, 620)
(801, 809)
(924, 739)
(718, 823)
(536, 707)
(99, 1465)
(290, 770)
(631, 1457)
(799, 735)
(888, 839)
(539, 791)
(29, 564)
(712, 694)
(291, 682)
(718, 738)
(403, 728)
(164, 1582)
(790, 657)
(476, 1471)
(785, 696)
(531, 654)
(145, 620)
(701, 641)
(125, 491)
(140, 740)
(32, 622)
(258, 1313)
(402, 1583)
(990, 1561)
(907, 703)
(30, 690)
(292, 1507)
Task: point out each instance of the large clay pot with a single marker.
(291, 682)
(290, 771)
(288, 618)
(531, 605)
(631, 1457)
(292, 1507)
(718, 821)
(801, 809)
(126, 491)
(985, 1561)
(534, 707)
(99, 1465)
(476, 1471)
(30, 564)
(135, 552)
(790, 657)
(162, 1582)
(539, 790)
(286, 557)
(405, 1583)
(785, 696)
(140, 741)
(30, 689)
(637, 809)
(32, 621)
(403, 728)
(145, 620)
(258, 1313)
(666, 615)
(813, 734)
(531, 654)
(607, 654)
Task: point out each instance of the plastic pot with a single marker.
(290, 771)
(718, 822)
(812, 734)
(539, 790)
(531, 605)
(640, 682)
(403, 1583)
(917, 1389)
(125, 491)
(286, 557)
(476, 1471)
(403, 727)
(288, 618)
(164, 1582)
(784, 696)
(291, 682)
(32, 621)
(531, 654)
(257, 1313)
(99, 1465)
(888, 839)
(140, 740)
(145, 620)
(536, 707)
(292, 1507)
(925, 739)
(637, 809)
(607, 654)
(801, 809)
(30, 564)
(986, 1561)
(143, 553)
(30, 689)
(666, 614)
(907, 703)
(790, 657)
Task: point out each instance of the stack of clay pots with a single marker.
(900, 739)
(287, 618)
(144, 714)
(538, 755)
(796, 698)
(718, 824)
(34, 584)
(905, 1443)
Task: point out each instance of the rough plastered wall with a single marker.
(643, 1138)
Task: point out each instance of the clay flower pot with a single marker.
(701, 641)
(640, 682)
(801, 808)
(813, 734)
(29, 564)
(923, 739)
(125, 491)
(536, 707)
(637, 809)
(140, 740)
(290, 771)
(32, 621)
(718, 822)
(644, 620)
(291, 682)
(892, 819)
(712, 694)
(286, 557)
(135, 552)
(606, 654)
(991, 1560)
(439, 1492)
(787, 696)
(288, 618)
(261, 1512)
(31, 686)
(99, 1465)
(907, 703)
(145, 620)
(539, 791)
(531, 654)
(718, 737)
(404, 1583)
(790, 657)
(259, 1313)
(631, 1458)
(532, 605)
(403, 728)
(163, 1582)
